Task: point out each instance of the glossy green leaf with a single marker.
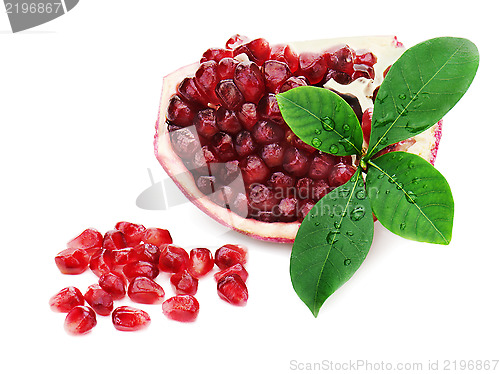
(410, 197)
(332, 243)
(322, 119)
(420, 88)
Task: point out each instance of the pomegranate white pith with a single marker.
(386, 50)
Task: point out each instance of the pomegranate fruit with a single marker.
(219, 122)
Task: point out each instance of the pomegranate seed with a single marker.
(275, 74)
(216, 54)
(257, 50)
(296, 162)
(261, 198)
(173, 259)
(229, 172)
(254, 170)
(126, 318)
(227, 121)
(97, 264)
(226, 68)
(320, 166)
(363, 71)
(272, 154)
(293, 82)
(114, 284)
(223, 146)
(244, 144)
(240, 205)
(206, 79)
(268, 108)
(235, 269)
(266, 132)
(80, 320)
(232, 289)
(190, 92)
(320, 188)
(184, 142)
(304, 188)
(182, 308)
(236, 40)
(249, 81)
(66, 299)
(284, 53)
(205, 123)
(206, 161)
(338, 76)
(140, 269)
(72, 261)
(229, 255)
(305, 207)
(157, 236)
(229, 94)
(248, 115)
(89, 240)
(116, 258)
(281, 183)
(287, 209)
(313, 66)
(200, 262)
(363, 56)
(145, 291)
(144, 252)
(114, 239)
(184, 283)
(340, 174)
(100, 301)
(366, 124)
(180, 112)
(340, 58)
(133, 232)
(299, 143)
(207, 184)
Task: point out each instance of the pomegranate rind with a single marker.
(386, 48)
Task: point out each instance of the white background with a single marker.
(78, 103)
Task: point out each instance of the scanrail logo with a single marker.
(26, 14)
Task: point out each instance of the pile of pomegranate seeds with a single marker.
(225, 120)
(126, 260)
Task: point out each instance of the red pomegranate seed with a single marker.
(227, 121)
(206, 161)
(116, 258)
(206, 79)
(320, 166)
(261, 198)
(299, 143)
(114, 284)
(244, 144)
(133, 232)
(184, 283)
(363, 71)
(275, 74)
(296, 162)
(72, 261)
(248, 115)
(338, 76)
(284, 53)
(200, 262)
(145, 291)
(216, 54)
(257, 50)
(180, 112)
(207, 184)
(173, 259)
(114, 239)
(254, 170)
(235, 269)
(182, 308)
(236, 40)
(89, 240)
(267, 132)
(340, 174)
(340, 58)
(229, 255)
(249, 81)
(233, 289)
(157, 236)
(224, 146)
(100, 300)
(144, 252)
(268, 108)
(204, 121)
(304, 188)
(80, 320)
(140, 269)
(272, 154)
(320, 188)
(229, 172)
(126, 318)
(287, 209)
(97, 264)
(281, 183)
(190, 92)
(226, 68)
(229, 94)
(293, 82)
(363, 56)
(185, 143)
(66, 299)
(305, 206)
(313, 66)
(366, 124)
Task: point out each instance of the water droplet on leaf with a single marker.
(316, 142)
(347, 262)
(357, 213)
(334, 149)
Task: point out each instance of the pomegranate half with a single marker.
(221, 139)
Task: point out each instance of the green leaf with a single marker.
(332, 243)
(420, 88)
(322, 119)
(410, 197)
